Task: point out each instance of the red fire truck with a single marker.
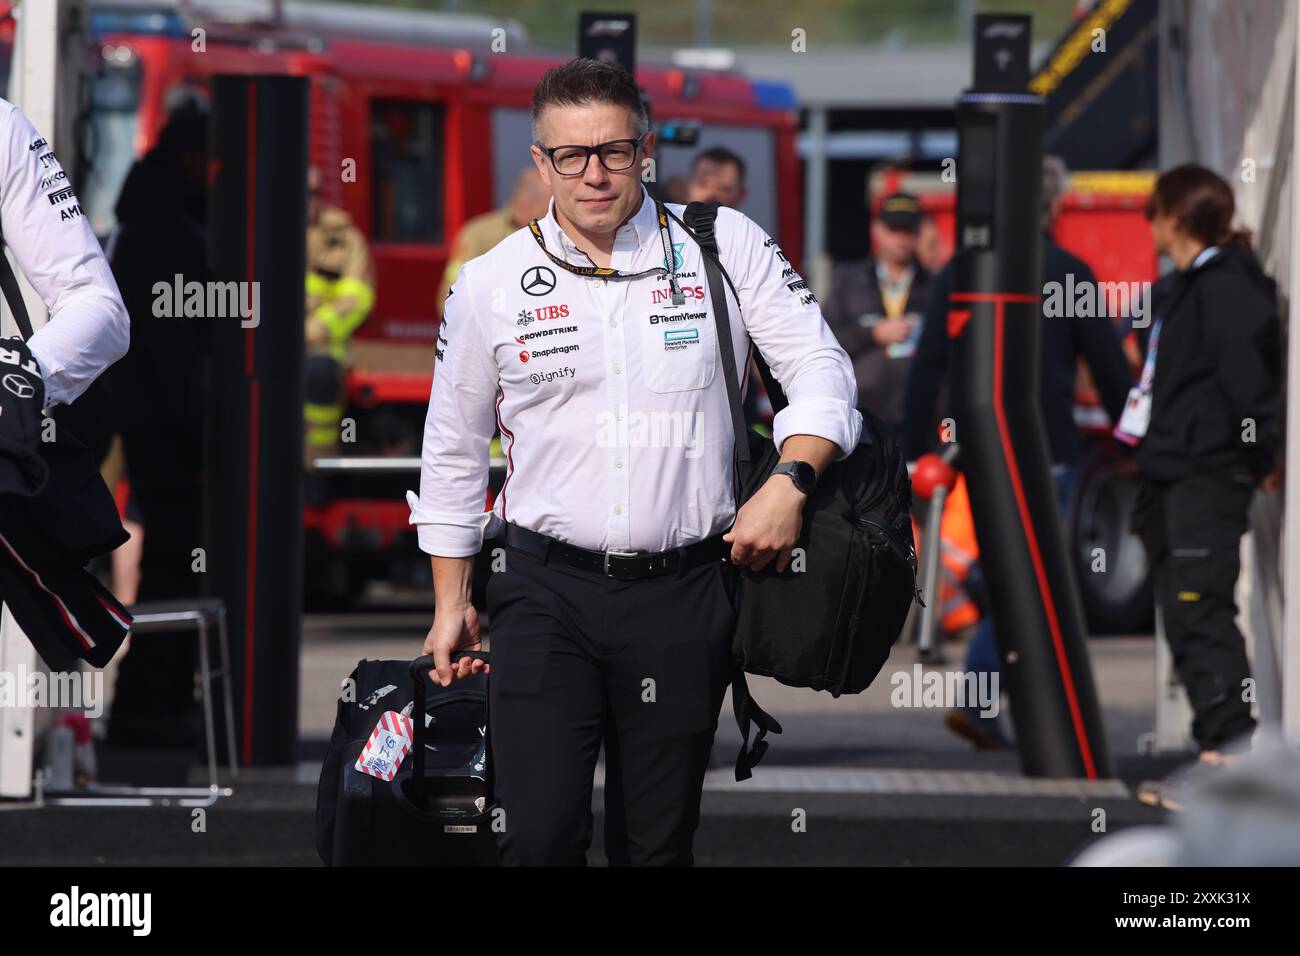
(429, 112)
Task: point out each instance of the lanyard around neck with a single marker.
(601, 272)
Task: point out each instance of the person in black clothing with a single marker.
(1064, 339)
(875, 307)
(161, 213)
(1205, 419)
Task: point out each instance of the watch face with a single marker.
(806, 476)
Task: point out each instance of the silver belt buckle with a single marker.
(619, 553)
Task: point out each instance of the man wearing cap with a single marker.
(875, 307)
(590, 340)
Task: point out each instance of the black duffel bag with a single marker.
(438, 808)
(830, 619)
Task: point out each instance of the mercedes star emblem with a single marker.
(539, 280)
(19, 385)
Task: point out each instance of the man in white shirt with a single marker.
(591, 344)
(56, 249)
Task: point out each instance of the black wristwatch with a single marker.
(801, 473)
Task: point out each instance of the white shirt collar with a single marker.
(643, 225)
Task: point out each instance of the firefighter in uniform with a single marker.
(478, 235)
(340, 294)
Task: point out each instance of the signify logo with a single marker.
(134, 910)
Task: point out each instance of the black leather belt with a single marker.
(622, 565)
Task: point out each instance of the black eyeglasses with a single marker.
(616, 156)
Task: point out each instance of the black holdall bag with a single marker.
(438, 808)
(73, 507)
(829, 621)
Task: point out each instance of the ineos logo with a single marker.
(18, 385)
(539, 280)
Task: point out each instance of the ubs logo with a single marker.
(539, 280)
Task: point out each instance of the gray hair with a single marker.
(582, 81)
(1056, 180)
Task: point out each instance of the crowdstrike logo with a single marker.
(540, 333)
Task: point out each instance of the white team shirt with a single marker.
(56, 249)
(612, 404)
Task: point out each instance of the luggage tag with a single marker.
(1136, 418)
(388, 745)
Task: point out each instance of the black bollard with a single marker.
(254, 443)
(994, 325)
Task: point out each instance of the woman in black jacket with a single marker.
(1205, 419)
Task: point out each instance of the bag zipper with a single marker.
(885, 532)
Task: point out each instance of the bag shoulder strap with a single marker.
(700, 218)
(14, 294)
(699, 223)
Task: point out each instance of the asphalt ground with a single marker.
(853, 780)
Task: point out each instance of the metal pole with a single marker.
(814, 236)
(932, 545)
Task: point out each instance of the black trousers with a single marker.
(579, 659)
(1192, 530)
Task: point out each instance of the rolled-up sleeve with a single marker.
(56, 249)
(784, 321)
(449, 512)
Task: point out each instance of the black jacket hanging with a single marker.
(55, 515)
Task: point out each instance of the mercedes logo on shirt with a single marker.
(539, 280)
(19, 386)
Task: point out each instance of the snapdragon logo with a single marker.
(73, 909)
(208, 300)
(1088, 300)
(674, 429)
(554, 350)
(75, 690)
(976, 690)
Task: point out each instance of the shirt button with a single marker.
(613, 323)
(618, 509)
(618, 462)
(618, 369)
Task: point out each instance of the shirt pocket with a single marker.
(679, 353)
